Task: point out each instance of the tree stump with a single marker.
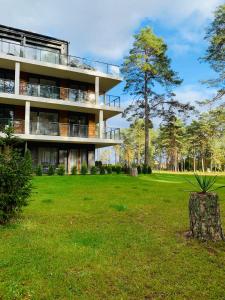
(133, 172)
(204, 214)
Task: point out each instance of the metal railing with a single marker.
(18, 124)
(112, 133)
(113, 101)
(7, 86)
(55, 92)
(60, 129)
(46, 55)
(72, 130)
(73, 95)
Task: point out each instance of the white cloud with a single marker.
(99, 27)
(194, 92)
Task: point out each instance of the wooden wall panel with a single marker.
(91, 126)
(63, 123)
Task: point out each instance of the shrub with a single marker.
(51, 170)
(124, 169)
(98, 163)
(38, 170)
(61, 170)
(149, 170)
(145, 169)
(74, 170)
(84, 169)
(102, 170)
(15, 183)
(113, 168)
(109, 169)
(94, 170)
(139, 169)
(118, 169)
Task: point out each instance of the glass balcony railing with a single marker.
(46, 55)
(61, 93)
(7, 86)
(61, 129)
(112, 133)
(18, 125)
(72, 130)
(54, 92)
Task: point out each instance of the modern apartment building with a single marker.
(57, 103)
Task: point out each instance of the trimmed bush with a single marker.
(94, 170)
(149, 170)
(74, 170)
(39, 170)
(145, 169)
(118, 169)
(51, 170)
(98, 163)
(102, 170)
(84, 169)
(139, 169)
(109, 169)
(61, 170)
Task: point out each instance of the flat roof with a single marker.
(31, 33)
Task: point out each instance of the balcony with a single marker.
(7, 86)
(18, 125)
(73, 95)
(48, 56)
(72, 130)
(54, 92)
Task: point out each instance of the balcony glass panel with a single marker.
(54, 56)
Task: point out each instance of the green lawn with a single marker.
(109, 237)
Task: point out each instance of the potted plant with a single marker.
(133, 170)
(204, 211)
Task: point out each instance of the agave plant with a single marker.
(205, 183)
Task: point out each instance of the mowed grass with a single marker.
(109, 237)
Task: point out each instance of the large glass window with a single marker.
(78, 125)
(48, 156)
(44, 123)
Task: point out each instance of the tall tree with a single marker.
(215, 53)
(146, 67)
(171, 135)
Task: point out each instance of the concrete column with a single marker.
(97, 90)
(101, 125)
(27, 117)
(17, 78)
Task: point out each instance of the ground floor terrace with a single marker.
(55, 154)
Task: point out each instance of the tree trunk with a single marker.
(204, 214)
(146, 122)
(203, 165)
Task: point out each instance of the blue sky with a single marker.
(103, 29)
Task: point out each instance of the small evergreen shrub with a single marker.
(113, 168)
(149, 170)
(98, 163)
(139, 169)
(61, 170)
(74, 170)
(15, 183)
(84, 169)
(51, 170)
(145, 169)
(94, 170)
(38, 170)
(109, 169)
(118, 169)
(102, 170)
